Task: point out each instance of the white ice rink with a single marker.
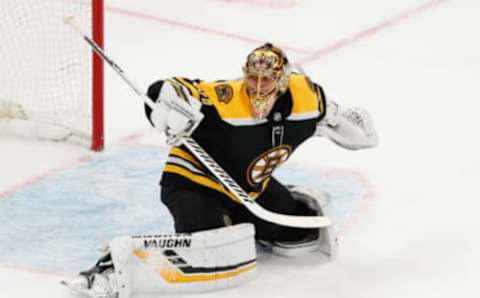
(414, 64)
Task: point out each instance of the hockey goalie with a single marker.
(250, 126)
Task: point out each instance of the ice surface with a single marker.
(408, 217)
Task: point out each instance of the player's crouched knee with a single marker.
(323, 240)
(315, 200)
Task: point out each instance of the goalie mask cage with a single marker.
(48, 76)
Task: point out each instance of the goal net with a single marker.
(50, 81)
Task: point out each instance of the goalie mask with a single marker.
(265, 78)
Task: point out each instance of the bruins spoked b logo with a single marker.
(263, 166)
(224, 93)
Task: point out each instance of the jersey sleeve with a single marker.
(322, 100)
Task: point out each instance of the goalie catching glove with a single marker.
(177, 112)
(350, 128)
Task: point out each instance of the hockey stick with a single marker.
(209, 162)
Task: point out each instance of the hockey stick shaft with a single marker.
(210, 163)
(71, 21)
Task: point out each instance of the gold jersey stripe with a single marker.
(321, 99)
(186, 156)
(205, 181)
(190, 87)
(305, 99)
(199, 179)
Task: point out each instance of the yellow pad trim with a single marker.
(172, 275)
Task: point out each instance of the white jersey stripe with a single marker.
(253, 121)
(303, 116)
(184, 163)
(244, 121)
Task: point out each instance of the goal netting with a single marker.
(50, 81)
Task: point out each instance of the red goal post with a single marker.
(98, 130)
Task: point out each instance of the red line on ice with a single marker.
(30, 181)
(309, 55)
(193, 27)
(337, 45)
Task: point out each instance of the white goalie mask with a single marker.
(266, 78)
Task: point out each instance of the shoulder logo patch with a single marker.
(224, 93)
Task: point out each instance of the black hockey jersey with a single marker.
(249, 149)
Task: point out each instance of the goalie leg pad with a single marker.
(201, 261)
